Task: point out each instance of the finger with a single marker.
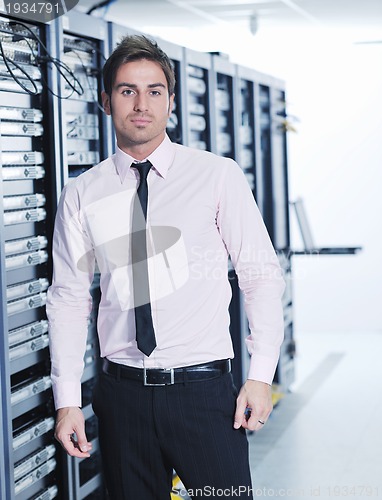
(247, 417)
(80, 441)
(256, 422)
(83, 446)
(70, 445)
(239, 418)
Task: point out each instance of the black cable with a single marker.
(8, 61)
(93, 91)
(56, 62)
(60, 64)
(93, 48)
(48, 59)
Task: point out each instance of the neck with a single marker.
(140, 151)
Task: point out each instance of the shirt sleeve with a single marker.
(69, 301)
(257, 267)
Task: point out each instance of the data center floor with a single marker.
(324, 439)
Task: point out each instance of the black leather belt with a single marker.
(168, 376)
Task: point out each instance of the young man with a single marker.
(166, 400)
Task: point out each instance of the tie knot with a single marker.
(143, 169)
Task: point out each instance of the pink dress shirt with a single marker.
(201, 211)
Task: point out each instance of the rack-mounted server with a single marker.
(28, 461)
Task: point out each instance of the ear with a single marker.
(106, 102)
(171, 104)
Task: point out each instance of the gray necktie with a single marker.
(145, 334)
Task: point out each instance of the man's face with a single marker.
(139, 105)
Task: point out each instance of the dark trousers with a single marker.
(147, 432)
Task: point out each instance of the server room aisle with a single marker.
(324, 439)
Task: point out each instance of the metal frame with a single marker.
(96, 30)
(8, 413)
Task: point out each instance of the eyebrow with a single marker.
(134, 86)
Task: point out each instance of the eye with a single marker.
(127, 92)
(155, 92)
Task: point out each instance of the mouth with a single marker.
(140, 122)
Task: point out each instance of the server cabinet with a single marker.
(279, 171)
(29, 459)
(263, 170)
(263, 153)
(177, 124)
(86, 140)
(224, 104)
(285, 372)
(271, 192)
(248, 140)
(245, 150)
(83, 49)
(273, 169)
(280, 225)
(199, 117)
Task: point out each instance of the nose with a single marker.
(140, 103)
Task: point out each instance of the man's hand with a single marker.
(70, 432)
(253, 405)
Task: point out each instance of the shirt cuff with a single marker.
(262, 368)
(66, 394)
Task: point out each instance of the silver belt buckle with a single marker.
(170, 370)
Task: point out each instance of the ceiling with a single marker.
(362, 16)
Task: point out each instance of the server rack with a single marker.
(263, 153)
(247, 124)
(86, 139)
(223, 84)
(279, 171)
(224, 102)
(83, 48)
(280, 225)
(246, 156)
(271, 168)
(199, 115)
(271, 179)
(29, 459)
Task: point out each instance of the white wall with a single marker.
(334, 87)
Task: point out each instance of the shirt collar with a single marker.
(161, 159)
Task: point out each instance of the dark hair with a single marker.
(134, 48)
